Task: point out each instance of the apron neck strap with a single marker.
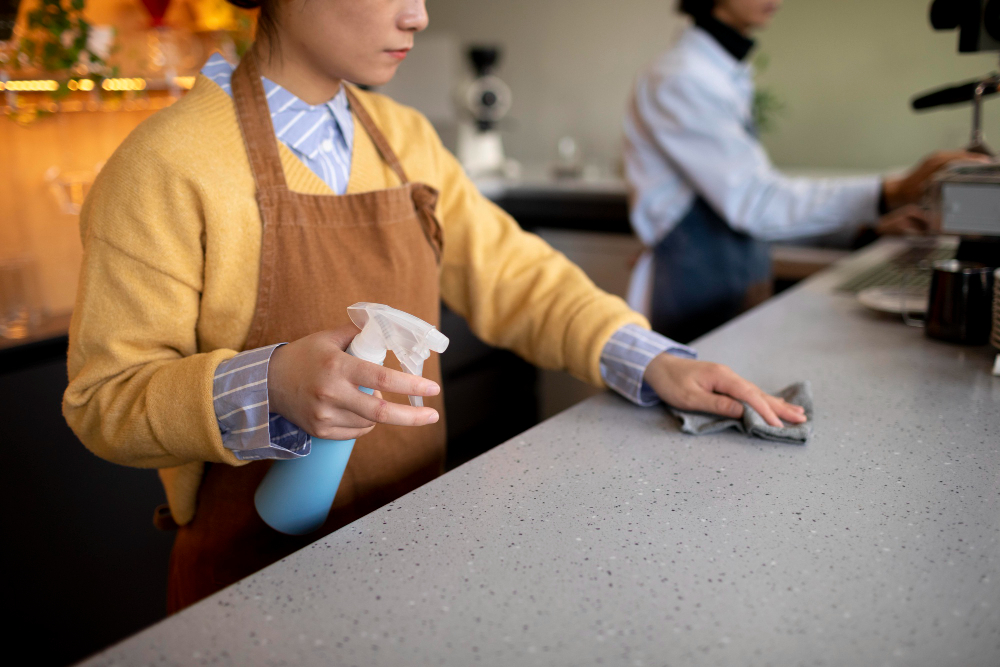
(381, 143)
(258, 131)
(255, 123)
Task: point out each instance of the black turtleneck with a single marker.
(732, 41)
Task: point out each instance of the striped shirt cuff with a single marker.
(627, 354)
(248, 428)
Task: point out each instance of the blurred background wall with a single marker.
(845, 70)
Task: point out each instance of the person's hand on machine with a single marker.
(909, 220)
(687, 384)
(314, 383)
(909, 188)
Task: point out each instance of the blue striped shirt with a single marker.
(322, 136)
(249, 429)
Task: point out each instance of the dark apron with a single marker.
(705, 274)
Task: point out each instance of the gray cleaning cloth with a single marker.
(800, 393)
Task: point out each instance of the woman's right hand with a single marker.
(313, 383)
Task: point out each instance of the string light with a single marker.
(82, 84)
(86, 85)
(124, 84)
(30, 86)
(117, 84)
(49, 85)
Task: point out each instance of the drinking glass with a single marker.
(18, 297)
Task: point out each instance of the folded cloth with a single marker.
(800, 393)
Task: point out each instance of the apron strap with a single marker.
(424, 196)
(381, 143)
(255, 123)
(254, 117)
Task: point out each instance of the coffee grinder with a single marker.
(485, 101)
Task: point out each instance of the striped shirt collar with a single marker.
(296, 123)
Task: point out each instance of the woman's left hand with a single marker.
(687, 384)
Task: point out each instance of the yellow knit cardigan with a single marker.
(172, 234)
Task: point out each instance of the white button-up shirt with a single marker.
(688, 132)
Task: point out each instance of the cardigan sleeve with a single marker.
(514, 289)
(139, 392)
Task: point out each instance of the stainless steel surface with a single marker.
(604, 536)
(977, 143)
(969, 196)
(971, 208)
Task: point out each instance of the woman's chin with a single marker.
(375, 77)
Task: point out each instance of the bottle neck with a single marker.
(368, 346)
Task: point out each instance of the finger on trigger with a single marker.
(386, 412)
(378, 377)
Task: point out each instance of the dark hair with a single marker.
(693, 8)
(266, 23)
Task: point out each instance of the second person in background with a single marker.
(705, 198)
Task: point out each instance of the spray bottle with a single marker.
(296, 494)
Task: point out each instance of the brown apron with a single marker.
(319, 255)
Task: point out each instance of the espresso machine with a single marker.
(968, 195)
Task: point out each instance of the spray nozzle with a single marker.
(383, 328)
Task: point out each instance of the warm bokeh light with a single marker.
(124, 84)
(30, 86)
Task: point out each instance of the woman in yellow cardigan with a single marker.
(250, 215)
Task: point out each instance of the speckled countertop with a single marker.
(604, 536)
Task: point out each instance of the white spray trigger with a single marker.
(383, 328)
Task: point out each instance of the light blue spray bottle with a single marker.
(296, 494)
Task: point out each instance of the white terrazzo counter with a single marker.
(606, 537)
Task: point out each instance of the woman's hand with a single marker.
(314, 383)
(687, 384)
